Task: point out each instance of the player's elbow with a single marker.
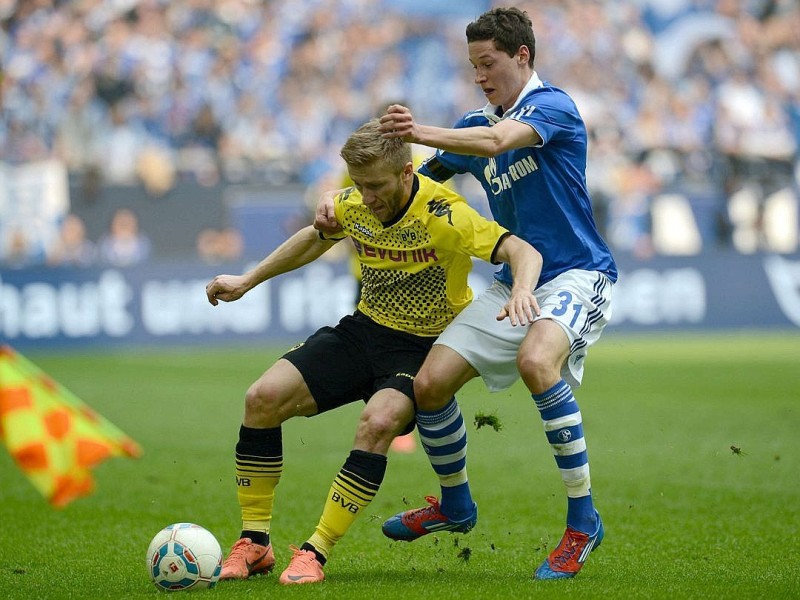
(531, 255)
(516, 252)
(487, 144)
(491, 147)
(536, 256)
(506, 136)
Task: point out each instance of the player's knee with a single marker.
(429, 394)
(536, 369)
(377, 427)
(262, 399)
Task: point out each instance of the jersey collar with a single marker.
(490, 110)
(404, 210)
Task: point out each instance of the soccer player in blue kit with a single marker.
(527, 147)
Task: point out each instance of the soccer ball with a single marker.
(184, 556)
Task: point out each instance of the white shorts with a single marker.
(579, 301)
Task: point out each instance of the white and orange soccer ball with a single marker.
(184, 556)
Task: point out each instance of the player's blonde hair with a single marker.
(366, 146)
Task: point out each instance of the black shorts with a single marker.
(357, 358)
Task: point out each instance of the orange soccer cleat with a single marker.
(246, 559)
(303, 568)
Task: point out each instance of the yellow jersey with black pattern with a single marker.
(415, 267)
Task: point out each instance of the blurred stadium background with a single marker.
(147, 145)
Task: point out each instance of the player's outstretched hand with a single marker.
(520, 308)
(398, 121)
(226, 288)
(324, 217)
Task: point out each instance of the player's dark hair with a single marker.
(366, 146)
(509, 28)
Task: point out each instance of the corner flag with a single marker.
(52, 436)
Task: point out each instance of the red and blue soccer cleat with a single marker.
(412, 524)
(570, 554)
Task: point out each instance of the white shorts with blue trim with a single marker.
(579, 301)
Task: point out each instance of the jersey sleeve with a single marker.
(550, 114)
(338, 212)
(437, 170)
(466, 231)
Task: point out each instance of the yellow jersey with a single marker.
(415, 268)
(417, 158)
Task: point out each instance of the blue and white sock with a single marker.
(444, 437)
(563, 426)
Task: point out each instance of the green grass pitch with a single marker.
(694, 444)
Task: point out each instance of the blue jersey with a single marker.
(538, 193)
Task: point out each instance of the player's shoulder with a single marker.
(348, 195)
(432, 190)
(441, 209)
(472, 118)
(548, 96)
(348, 205)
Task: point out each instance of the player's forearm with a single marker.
(474, 141)
(506, 135)
(303, 247)
(524, 260)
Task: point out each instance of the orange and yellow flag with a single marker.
(53, 437)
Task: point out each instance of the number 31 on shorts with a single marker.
(567, 305)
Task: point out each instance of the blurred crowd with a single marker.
(677, 94)
(123, 244)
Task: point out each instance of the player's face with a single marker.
(500, 76)
(384, 191)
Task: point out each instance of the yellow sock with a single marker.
(256, 478)
(352, 490)
(259, 464)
